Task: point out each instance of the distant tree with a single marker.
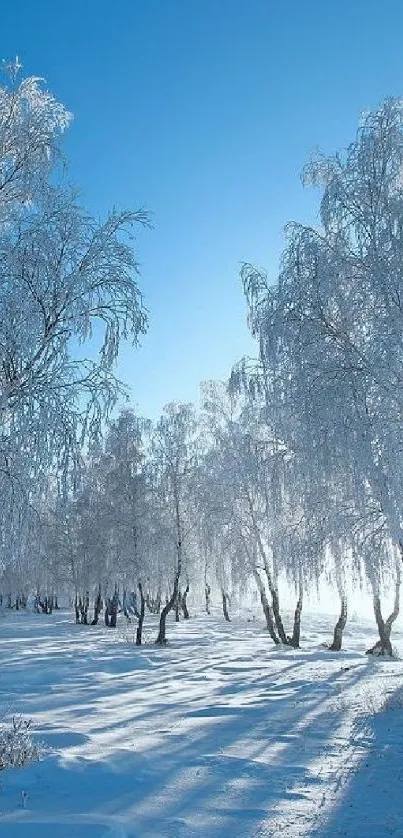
(174, 454)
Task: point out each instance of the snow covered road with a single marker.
(219, 734)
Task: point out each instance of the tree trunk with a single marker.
(153, 603)
(161, 638)
(184, 603)
(396, 607)
(274, 597)
(113, 613)
(141, 617)
(177, 607)
(85, 604)
(207, 592)
(111, 610)
(106, 613)
(225, 600)
(277, 616)
(339, 627)
(383, 646)
(266, 607)
(97, 608)
(272, 588)
(296, 632)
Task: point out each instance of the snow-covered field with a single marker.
(219, 734)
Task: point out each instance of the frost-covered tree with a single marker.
(252, 476)
(175, 459)
(68, 297)
(330, 332)
(31, 124)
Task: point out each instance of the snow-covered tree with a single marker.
(330, 332)
(68, 297)
(175, 459)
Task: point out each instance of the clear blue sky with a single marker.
(204, 111)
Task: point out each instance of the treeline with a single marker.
(289, 474)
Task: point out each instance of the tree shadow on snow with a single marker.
(370, 802)
(224, 767)
(183, 746)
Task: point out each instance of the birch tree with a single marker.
(333, 323)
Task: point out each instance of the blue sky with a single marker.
(204, 111)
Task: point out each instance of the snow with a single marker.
(218, 734)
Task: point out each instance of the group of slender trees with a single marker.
(289, 474)
(64, 277)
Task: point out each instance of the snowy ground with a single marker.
(219, 734)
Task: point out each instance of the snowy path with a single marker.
(220, 734)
